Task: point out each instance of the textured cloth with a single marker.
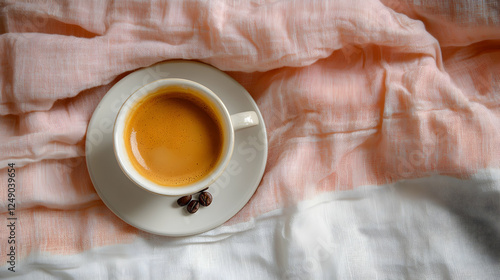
(383, 124)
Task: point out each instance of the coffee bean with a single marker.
(183, 201)
(205, 198)
(193, 206)
(203, 190)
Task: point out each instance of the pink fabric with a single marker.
(352, 92)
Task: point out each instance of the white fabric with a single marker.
(431, 228)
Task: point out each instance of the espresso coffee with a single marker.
(173, 137)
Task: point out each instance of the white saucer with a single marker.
(160, 214)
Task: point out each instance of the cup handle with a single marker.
(244, 119)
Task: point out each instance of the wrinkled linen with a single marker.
(383, 128)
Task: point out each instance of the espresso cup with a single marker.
(131, 121)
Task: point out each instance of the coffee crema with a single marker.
(173, 138)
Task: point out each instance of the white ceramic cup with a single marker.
(230, 123)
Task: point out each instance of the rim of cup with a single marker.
(121, 153)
